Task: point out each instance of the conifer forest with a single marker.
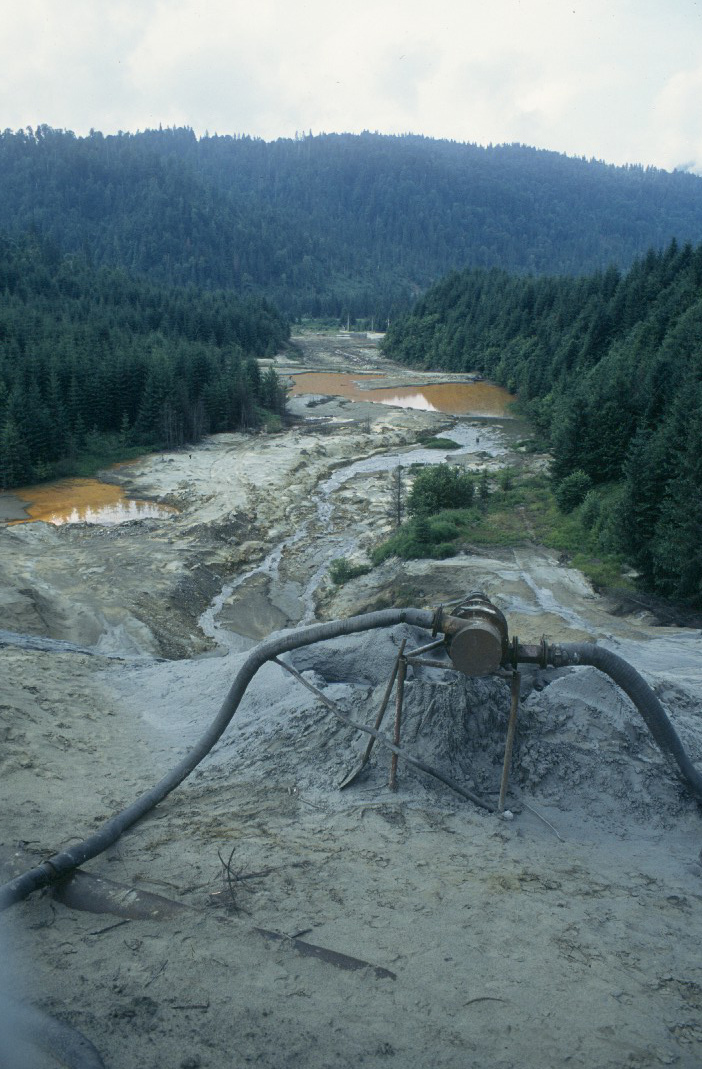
(608, 367)
(93, 359)
(142, 275)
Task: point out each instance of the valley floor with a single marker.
(450, 938)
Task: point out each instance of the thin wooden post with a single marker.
(511, 729)
(352, 776)
(401, 673)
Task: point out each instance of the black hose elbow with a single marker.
(635, 686)
(27, 1031)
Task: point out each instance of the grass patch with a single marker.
(341, 571)
(522, 511)
(88, 463)
(438, 443)
(433, 537)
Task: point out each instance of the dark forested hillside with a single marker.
(609, 367)
(96, 359)
(333, 224)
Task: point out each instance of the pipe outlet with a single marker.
(477, 637)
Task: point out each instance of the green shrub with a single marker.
(437, 487)
(569, 492)
(443, 530)
(341, 571)
(439, 443)
(424, 537)
(505, 479)
(443, 550)
(590, 509)
(421, 530)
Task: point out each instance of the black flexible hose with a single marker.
(622, 673)
(633, 684)
(27, 1030)
(61, 864)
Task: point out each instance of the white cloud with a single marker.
(677, 119)
(616, 79)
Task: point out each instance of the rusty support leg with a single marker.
(511, 729)
(401, 673)
(352, 776)
(386, 699)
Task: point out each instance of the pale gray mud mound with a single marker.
(583, 746)
(587, 899)
(486, 943)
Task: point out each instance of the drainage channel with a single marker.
(315, 543)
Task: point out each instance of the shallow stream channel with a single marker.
(259, 519)
(351, 508)
(284, 585)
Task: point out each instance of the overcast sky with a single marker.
(618, 80)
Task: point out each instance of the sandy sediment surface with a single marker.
(141, 586)
(417, 929)
(12, 507)
(485, 942)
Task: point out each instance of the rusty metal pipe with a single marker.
(476, 634)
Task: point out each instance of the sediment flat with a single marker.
(12, 507)
(564, 936)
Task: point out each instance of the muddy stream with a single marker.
(327, 535)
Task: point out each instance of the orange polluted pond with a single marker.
(453, 398)
(85, 501)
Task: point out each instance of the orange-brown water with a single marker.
(92, 501)
(453, 398)
(84, 501)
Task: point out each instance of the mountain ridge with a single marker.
(334, 224)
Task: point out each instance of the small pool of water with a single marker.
(452, 398)
(81, 501)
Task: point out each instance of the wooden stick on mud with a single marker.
(401, 673)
